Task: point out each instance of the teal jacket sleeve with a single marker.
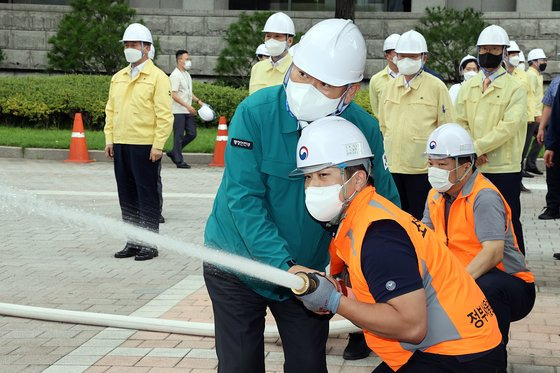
(245, 191)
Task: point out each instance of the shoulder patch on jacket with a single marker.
(241, 143)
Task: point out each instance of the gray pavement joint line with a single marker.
(115, 337)
(113, 194)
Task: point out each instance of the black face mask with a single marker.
(542, 67)
(489, 60)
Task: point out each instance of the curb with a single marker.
(97, 155)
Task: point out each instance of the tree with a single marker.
(236, 59)
(88, 37)
(450, 35)
(345, 9)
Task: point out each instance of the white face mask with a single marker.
(439, 179)
(188, 64)
(324, 204)
(307, 103)
(408, 66)
(395, 60)
(469, 74)
(132, 55)
(275, 47)
(521, 66)
(514, 61)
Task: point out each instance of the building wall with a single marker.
(25, 30)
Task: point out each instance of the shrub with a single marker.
(50, 102)
(450, 35)
(88, 37)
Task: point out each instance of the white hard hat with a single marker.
(535, 54)
(521, 56)
(279, 23)
(449, 140)
(152, 52)
(333, 51)
(411, 42)
(467, 58)
(513, 47)
(137, 32)
(261, 49)
(328, 142)
(391, 42)
(493, 35)
(206, 113)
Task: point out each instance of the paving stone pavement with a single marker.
(49, 264)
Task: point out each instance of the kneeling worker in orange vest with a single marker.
(419, 309)
(470, 215)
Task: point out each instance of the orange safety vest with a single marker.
(460, 320)
(459, 234)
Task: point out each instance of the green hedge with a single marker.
(51, 101)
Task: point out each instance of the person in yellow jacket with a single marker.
(279, 32)
(537, 65)
(138, 122)
(468, 214)
(493, 108)
(419, 309)
(411, 107)
(379, 81)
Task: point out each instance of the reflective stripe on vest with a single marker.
(453, 300)
(458, 232)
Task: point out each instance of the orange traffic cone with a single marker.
(78, 148)
(221, 142)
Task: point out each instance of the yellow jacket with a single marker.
(407, 116)
(377, 84)
(522, 77)
(536, 82)
(139, 110)
(264, 74)
(496, 120)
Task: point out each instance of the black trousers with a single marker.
(420, 362)
(534, 150)
(184, 131)
(413, 191)
(239, 319)
(511, 298)
(528, 138)
(137, 179)
(553, 183)
(509, 184)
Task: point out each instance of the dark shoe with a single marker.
(183, 165)
(549, 214)
(524, 189)
(526, 174)
(170, 155)
(127, 252)
(535, 171)
(556, 256)
(356, 348)
(161, 219)
(146, 254)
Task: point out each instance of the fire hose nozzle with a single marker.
(309, 283)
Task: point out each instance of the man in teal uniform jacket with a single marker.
(259, 211)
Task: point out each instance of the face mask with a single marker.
(408, 66)
(469, 74)
(395, 59)
(521, 66)
(489, 60)
(439, 179)
(323, 203)
(275, 47)
(132, 55)
(514, 61)
(542, 67)
(188, 64)
(307, 103)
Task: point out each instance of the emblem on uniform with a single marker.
(390, 285)
(303, 153)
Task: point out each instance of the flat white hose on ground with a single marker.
(141, 323)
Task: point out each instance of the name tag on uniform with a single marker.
(241, 143)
